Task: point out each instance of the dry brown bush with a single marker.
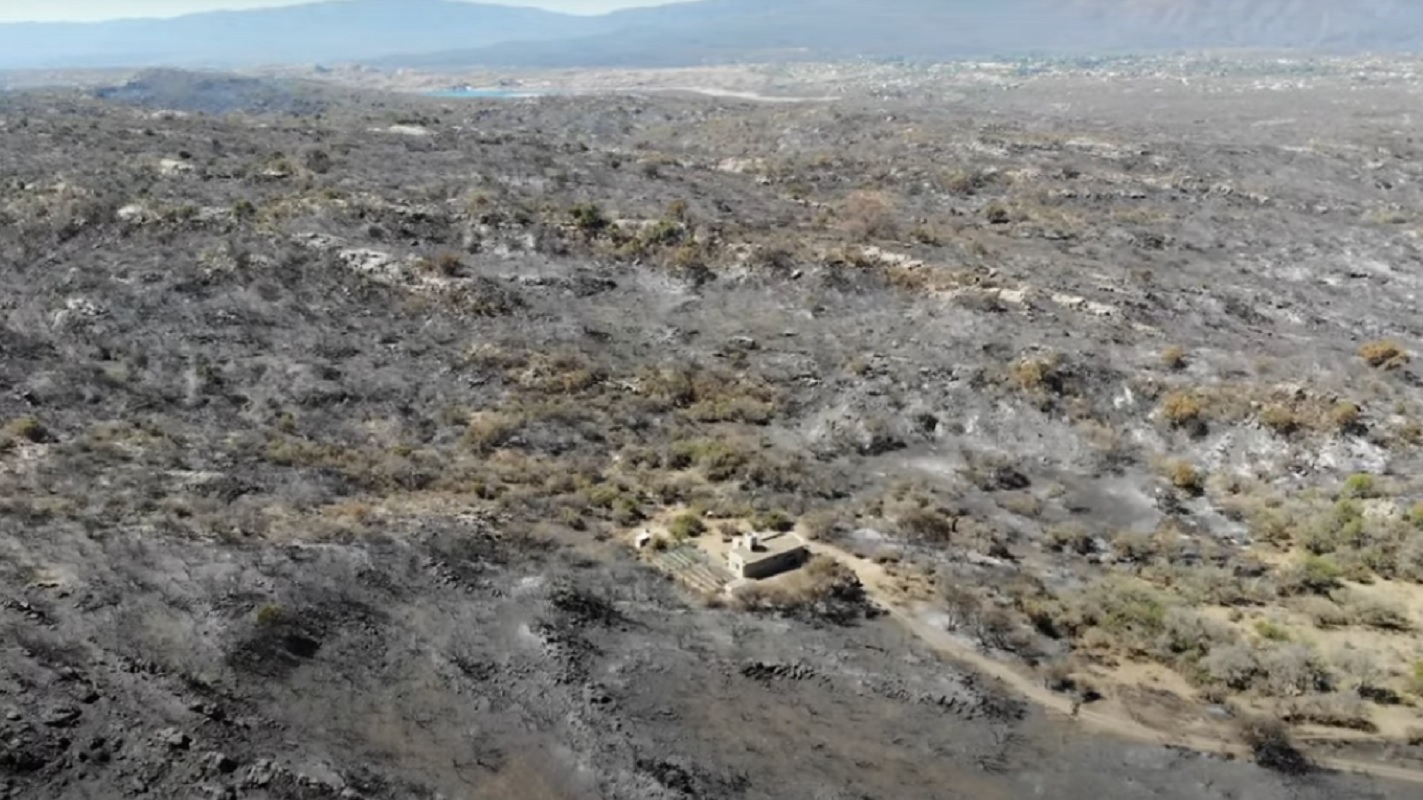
(928, 525)
(1181, 408)
(1322, 612)
(1333, 710)
(868, 214)
(1347, 416)
(1377, 614)
(1281, 419)
(1045, 374)
(821, 524)
(489, 431)
(819, 579)
(1186, 477)
(556, 373)
(1384, 354)
(1270, 742)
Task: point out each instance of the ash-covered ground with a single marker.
(320, 432)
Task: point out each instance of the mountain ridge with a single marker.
(331, 30)
(425, 33)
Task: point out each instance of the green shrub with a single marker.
(719, 460)
(1130, 610)
(1342, 526)
(627, 511)
(589, 218)
(26, 429)
(1272, 631)
(746, 410)
(270, 614)
(775, 520)
(1321, 575)
(686, 526)
(1359, 487)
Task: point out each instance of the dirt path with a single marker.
(878, 585)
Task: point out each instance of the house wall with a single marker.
(770, 565)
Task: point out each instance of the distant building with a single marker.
(759, 556)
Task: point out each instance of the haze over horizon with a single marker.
(101, 10)
(663, 33)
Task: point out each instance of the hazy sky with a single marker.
(29, 10)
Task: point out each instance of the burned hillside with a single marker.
(320, 437)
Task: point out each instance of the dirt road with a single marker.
(877, 583)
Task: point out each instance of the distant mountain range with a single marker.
(331, 31)
(446, 33)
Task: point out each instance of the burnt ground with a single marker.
(424, 667)
(318, 430)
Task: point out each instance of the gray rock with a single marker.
(175, 739)
(261, 773)
(61, 717)
(221, 763)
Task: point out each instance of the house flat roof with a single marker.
(772, 545)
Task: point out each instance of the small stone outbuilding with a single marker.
(759, 556)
